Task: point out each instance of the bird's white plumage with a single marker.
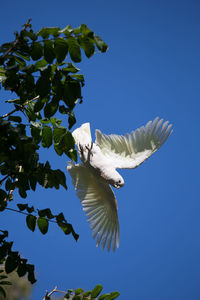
(99, 204)
(131, 150)
(93, 178)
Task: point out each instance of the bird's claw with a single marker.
(89, 147)
(85, 154)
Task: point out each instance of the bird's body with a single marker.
(92, 178)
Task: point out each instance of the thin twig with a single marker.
(27, 214)
(17, 40)
(10, 113)
(21, 107)
(2, 180)
(46, 297)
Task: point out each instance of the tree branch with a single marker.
(21, 107)
(27, 214)
(17, 40)
(47, 296)
(2, 180)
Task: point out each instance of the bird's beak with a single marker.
(117, 186)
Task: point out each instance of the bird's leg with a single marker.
(80, 148)
(89, 148)
(85, 152)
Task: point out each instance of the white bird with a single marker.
(92, 178)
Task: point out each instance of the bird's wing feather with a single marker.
(82, 135)
(131, 150)
(99, 204)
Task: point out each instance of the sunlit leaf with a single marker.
(43, 225)
(46, 137)
(74, 49)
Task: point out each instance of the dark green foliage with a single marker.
(12, 261)
(37, 67)
(80, 294)
(43, 224)
(41, 218)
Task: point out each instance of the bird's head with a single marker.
(118, 183)
(117, 180)
(113, 177)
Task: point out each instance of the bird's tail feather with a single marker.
(82, 135)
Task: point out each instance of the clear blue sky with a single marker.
(152, 68)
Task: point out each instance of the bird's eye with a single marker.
(119, 181)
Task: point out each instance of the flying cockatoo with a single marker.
(94, 177)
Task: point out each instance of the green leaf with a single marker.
(22, 192)
(11, 264)
(2, 292)
(86, 294)
(31, 222)
(45, 32)
(51, 107)
(45, 121)
(112, 296)
(21, 270)
(22, 55)
(67, 141)
(3, 195)
(46, 137)
(60, 176)
(40, 64)
(101, 45)
(43, 224)
(36, 51)
(22, 206)
(55, 122)
(8, 184)
(76, 297)
(78, 291)
(71, 119)
(96, 291)
(71, 92)
(74, 49)
(61, 49)
(64, 110)
(58, 133)
(86, 31)
(45, 213)
(15, 119)
(67, 30)
(87, 45)
(71, 68)
(40, 104)
(43, 85)
(20, 61)
(31, 276)
(78, 76)
(36, 134)
(58, 149)
(49, 53)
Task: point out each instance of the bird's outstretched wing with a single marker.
(131, 150)
(99, 204)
